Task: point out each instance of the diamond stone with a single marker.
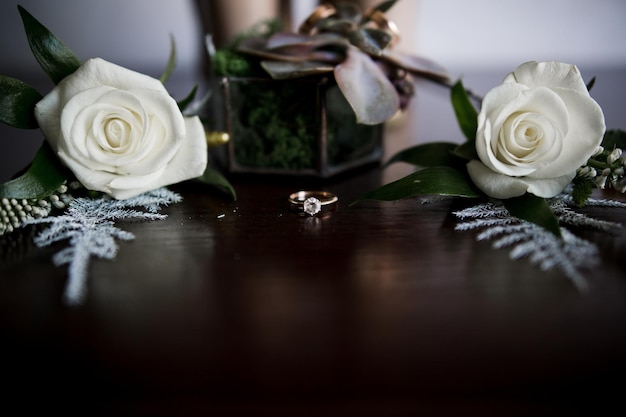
(312, 206)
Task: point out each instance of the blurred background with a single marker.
(479, 40)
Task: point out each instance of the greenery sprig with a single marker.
(605, 168)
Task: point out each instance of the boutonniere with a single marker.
(535, 150)
(113, 139)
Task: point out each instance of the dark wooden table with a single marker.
(245, 308)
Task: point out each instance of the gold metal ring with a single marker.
(321, 12)
(313, 202)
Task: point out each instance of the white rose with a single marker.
(534, 131)
(120, 132)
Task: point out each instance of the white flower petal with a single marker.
(548, 74)
(535, 130)
(494, 184)
(97, 72)
(504, 105)
(548, 187)
(189, 162)
(585, 134)
(120, 132)
(501, 186)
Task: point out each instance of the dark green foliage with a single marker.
(430, 154)
(438, 180)
(43, 178)
(274, 125)
(466, 114)
(582, 190)
(614, 139)
(535, 210)
(56, 59)
(232, 64)
(215, 178)
(17, 103)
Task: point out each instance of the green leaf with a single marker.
(17, 103)
(42, 179)
(535, 210)
(466, 114)
(171, 62)
(216, 179)
(466, 151)
(583, 187)
(428, 155)
(440, 180)
(182, 105)
(56, 59)
(199, 106)
(614, 139)
(591, 83)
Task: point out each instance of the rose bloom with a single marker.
(534, 131)
(120, 132)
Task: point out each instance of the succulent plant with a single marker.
(356, 47)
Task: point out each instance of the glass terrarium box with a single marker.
(300, 126)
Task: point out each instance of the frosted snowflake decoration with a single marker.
(89, 226)
(541, 247)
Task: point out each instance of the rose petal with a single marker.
(503, 186)
(506, 101)
(494, 184)
(152, 143)
(81, 125)
(94, 73)
(166, 131)
(585, 133)
(548, 74)
(189, 162)
(120, 132)
(535, 130)
(548, 187)
(529, 139)
(97, 72)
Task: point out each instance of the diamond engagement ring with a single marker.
(312, 202)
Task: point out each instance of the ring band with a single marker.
(312, 202)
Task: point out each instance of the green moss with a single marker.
(273, 126)
(231, 64)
